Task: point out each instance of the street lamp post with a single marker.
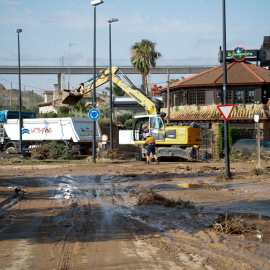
(20, 92)
(110, 20)
(94, 4)
(225, 99)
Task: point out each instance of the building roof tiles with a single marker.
(238, 73)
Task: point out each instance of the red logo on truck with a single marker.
(41, 130)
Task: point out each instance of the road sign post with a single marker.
(226, 111)
(257, 120)
(94, 115)
(225, 99)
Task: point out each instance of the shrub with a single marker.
(124, 117)
(48, 115)
(129, 124)
(59, 151)
(234, 135)
(52, 150)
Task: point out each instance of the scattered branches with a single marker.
(150, 197)
(222, 178)
(257, 171)
(233, 224)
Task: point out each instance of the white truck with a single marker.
(76, 133)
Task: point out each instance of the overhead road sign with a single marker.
(226, 110)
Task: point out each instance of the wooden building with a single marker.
(246, 84)
(196, 98)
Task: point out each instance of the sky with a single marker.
(185, 33)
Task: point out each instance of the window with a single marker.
(249, 97)
(238, 97)
(201, 98)
(229, 97)
(197, 98)
(192, 98)
(178, 99)
(208, 97)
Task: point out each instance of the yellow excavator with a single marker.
(172, 139)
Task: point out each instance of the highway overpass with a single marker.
(89, 70)
(62, 71)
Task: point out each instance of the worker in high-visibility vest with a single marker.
(151, 148)
(195, 151)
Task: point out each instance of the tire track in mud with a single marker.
(88, 224)
(75, 224)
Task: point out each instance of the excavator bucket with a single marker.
(70, 98)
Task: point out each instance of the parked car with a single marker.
(249, 146)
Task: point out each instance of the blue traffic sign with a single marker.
(94, 114)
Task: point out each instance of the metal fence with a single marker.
(207, 147)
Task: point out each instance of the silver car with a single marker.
(249, 146)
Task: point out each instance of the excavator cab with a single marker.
(152, 124)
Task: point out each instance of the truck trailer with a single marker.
(75, 133)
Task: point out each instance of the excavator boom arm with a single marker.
(102, 79)
(104, 76)
(141, 98)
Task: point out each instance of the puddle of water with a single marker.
(189, 185)
(262, 237)
(263, 225)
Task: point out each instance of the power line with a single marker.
(25, 85)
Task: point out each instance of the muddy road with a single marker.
(59, 216)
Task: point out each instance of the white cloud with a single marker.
(163, 25)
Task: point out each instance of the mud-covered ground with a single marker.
(85, 216)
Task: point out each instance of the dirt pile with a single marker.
(150, 197)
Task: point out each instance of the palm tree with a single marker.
(143, 57)
(117, 91)
(79, 107)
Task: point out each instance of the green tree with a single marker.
(176, 80)
(117, 91)
(124, 117)
(64, 111)
(80, 107)
(33, 100)
(143, 57)
(47, 115)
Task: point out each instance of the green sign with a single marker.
(240, 55)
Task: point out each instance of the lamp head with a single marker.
(96, 2)
(18, 30)
(110, 20)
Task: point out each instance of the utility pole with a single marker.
(10, 96)
(18, 31)
(168, 95)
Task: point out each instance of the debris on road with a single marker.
(183, 166)
(234, 224)
(150, 197)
